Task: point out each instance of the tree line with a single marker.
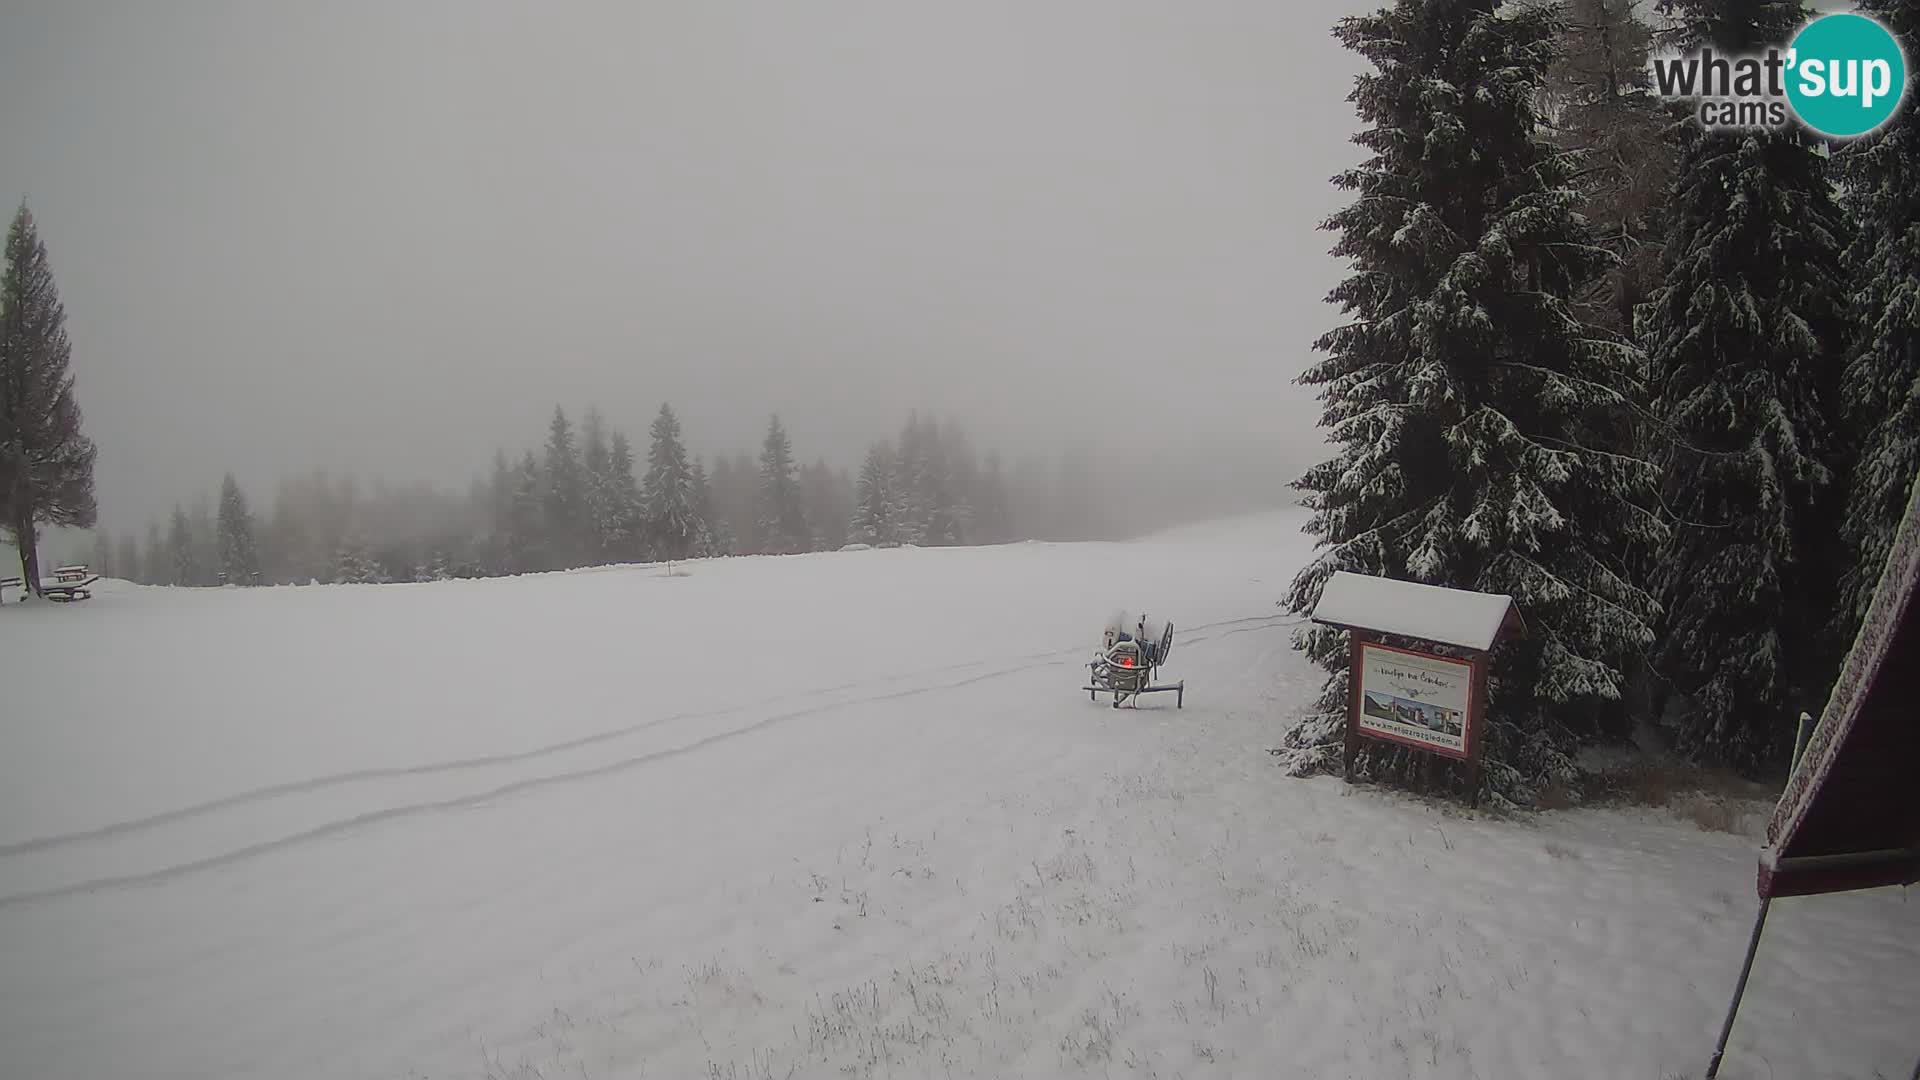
(1657, 382)
(583, 498)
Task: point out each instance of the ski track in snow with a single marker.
(489, 795)
(295, 787)
(956, 870)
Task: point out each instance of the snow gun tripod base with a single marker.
(1127, 668)
(1121, 697)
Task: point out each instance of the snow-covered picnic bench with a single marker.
(69, 583)
(65, 589)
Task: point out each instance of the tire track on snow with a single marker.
(332, 828)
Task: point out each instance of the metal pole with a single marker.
(1759, 924)
(1800, 739)
(1739, 990)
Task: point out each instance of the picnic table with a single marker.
(65, 587)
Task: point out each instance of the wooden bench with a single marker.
(65, 574)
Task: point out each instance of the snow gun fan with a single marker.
(1129, 658)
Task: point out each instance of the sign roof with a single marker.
(1458, 617)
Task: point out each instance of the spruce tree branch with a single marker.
(1589, 593)
(1672, 516)
(1576, 448)
(1628, 403)
(1378, 531)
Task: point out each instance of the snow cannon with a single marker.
(1130, 655)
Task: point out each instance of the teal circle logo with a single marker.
(1846, 75)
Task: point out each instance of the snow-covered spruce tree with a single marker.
(992, 520)
(182, 553)
(301, 542)
(715, 537)
(828, 500)
(268, 557)
(913, 483)
(783, 521)
(564, 495)
(1602, 107)
(239, 555)
(816, 500)
(206, 541)
(673, 527)
(499, 541)
(439, 566)
(100, 555)
(721, 486)
(744, 501)
(596, 466)
(1881, 396)
(962, 475)
(736, 500)
(46, 462)
(527, 530)
(944, 517)
(932, 508)
(620, 525)
(127, 563)
(1463, 393)
(354, 564)
(876, 500)
(1744, 342)
(156, 563)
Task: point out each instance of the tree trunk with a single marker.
(29, 552)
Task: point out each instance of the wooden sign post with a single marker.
(1417, 697)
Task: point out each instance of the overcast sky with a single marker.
(390, 237)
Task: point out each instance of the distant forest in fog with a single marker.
(588, 495)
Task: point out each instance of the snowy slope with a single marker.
(838, 814)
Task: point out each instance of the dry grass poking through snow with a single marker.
(1714, 800)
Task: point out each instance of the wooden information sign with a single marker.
(1420, 698)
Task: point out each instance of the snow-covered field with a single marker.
(838, 814)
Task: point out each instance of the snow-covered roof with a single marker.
(1469, 620)
(1848, 818)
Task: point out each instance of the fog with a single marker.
(388, 239)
